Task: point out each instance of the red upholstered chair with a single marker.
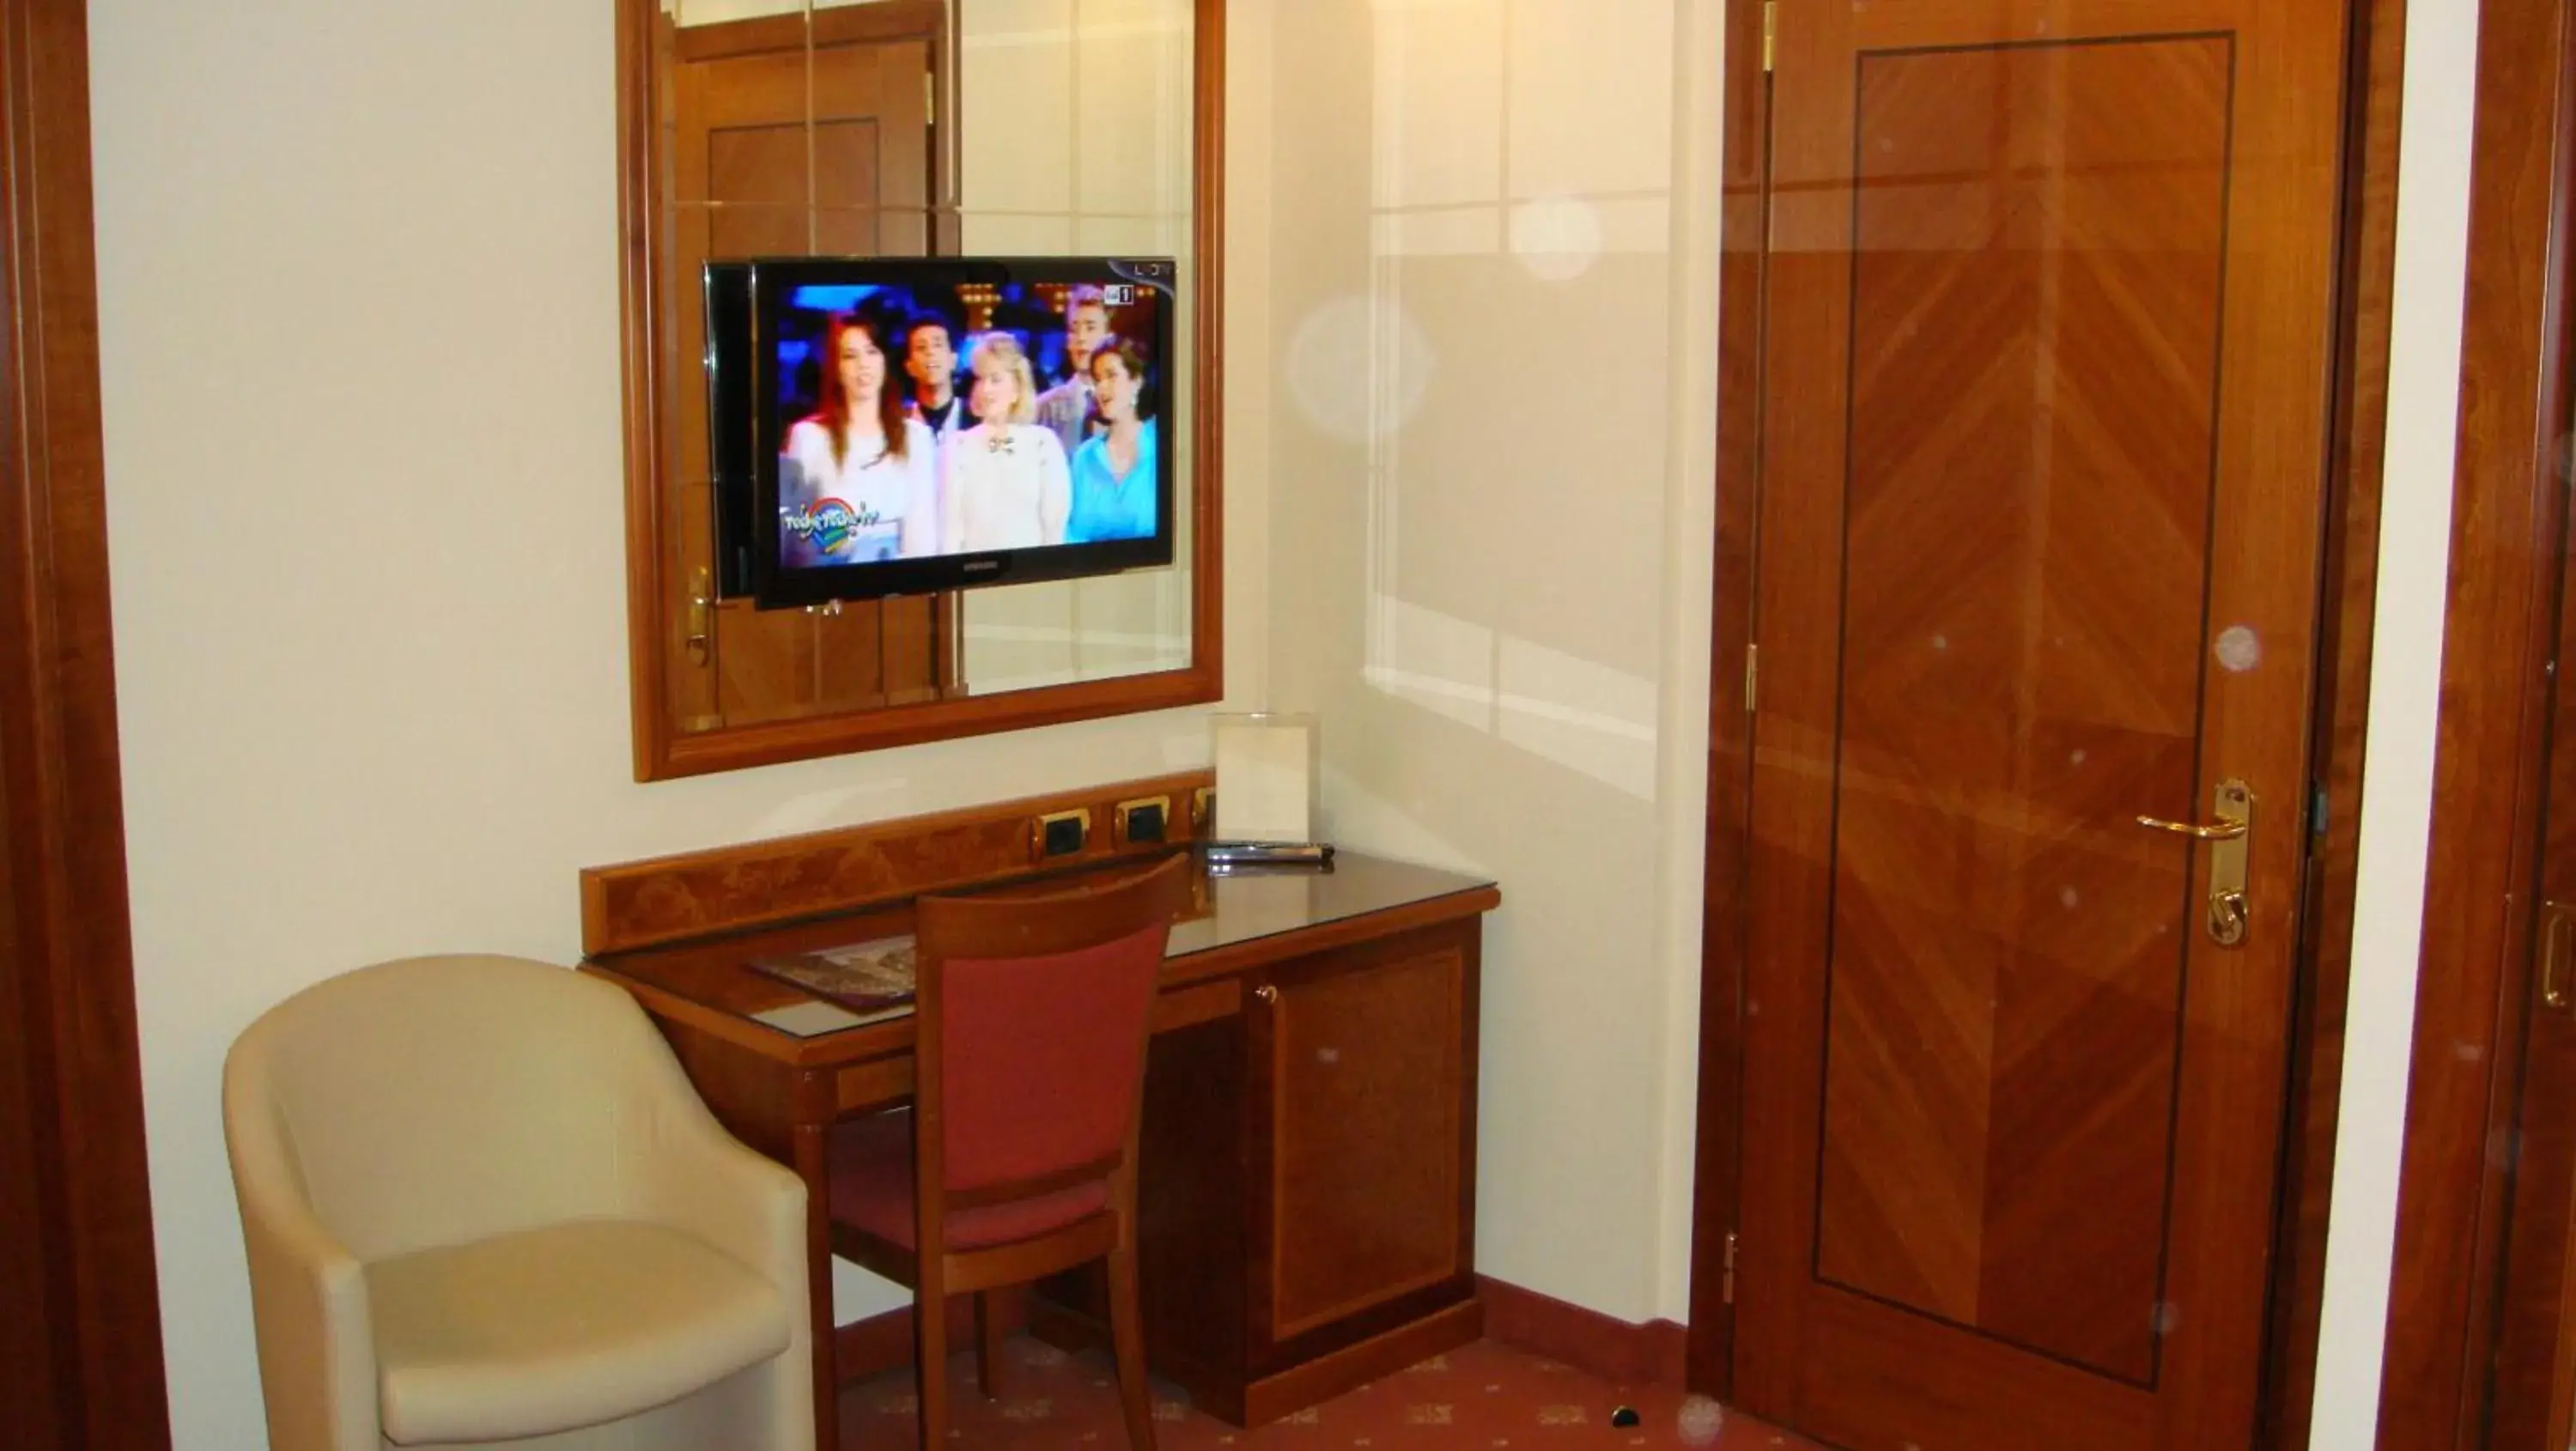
(1029, 1068)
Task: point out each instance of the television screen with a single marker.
(898, 426)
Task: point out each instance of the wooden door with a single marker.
(2534, 1395)
(2533, 1404)
(776, 158)
(2049, 304)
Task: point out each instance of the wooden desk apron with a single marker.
(1307, 1174)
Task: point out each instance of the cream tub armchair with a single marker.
(485, 1208)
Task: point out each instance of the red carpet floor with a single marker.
(1483, 1396)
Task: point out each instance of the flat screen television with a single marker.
(888, 426)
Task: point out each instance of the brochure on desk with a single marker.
(858, 983)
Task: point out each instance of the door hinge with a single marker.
(1726, 1286)
(1770, 32)
(929, 98)
(1752, 675)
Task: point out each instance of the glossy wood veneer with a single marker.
(1619, 1351)
(80, 1323)
(2491, 749)
(2342, 713)
(2126, 1126)
(2343, 692)
(754, 884)
(1716, 1172)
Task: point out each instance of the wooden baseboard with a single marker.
(1613, 1349)
(881, 1343)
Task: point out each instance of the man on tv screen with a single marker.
(930, 360)
(1069, 407)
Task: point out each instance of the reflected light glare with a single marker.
(1700, 1421)
(1359, 370)
(1556, 239)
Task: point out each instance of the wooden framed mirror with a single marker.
(904, 128)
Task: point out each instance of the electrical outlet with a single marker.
(1061, 834)
(1147, 820)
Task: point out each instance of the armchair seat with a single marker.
(568, 1325)
(872, 1190)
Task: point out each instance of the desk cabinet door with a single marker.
(1363, 1126)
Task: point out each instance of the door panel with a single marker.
(1365, 1058)
(2047, 315)
(2035, 343)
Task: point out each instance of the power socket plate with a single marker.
(1061, 833)
(1146, 820)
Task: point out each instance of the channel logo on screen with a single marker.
(828, 524)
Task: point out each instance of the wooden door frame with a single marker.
(2507, 527)
(2368, 272)
(83, 1360)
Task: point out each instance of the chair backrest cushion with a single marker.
(1043, 1056)
(438, 1100)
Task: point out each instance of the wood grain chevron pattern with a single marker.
(2036, 304)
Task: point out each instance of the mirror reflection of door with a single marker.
(752, 178)
(2048, 328)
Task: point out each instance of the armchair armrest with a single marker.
(309, 1297)
(685, 1171)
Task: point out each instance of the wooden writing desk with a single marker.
(1307, 1177)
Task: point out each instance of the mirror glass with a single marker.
(905, 128)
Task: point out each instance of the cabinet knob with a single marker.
(1269, 995)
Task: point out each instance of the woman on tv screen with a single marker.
(1007, 485)
(1115, 477)
(856, 476)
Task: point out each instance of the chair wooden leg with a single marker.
(988, 1346)
(930, 1360)
(1127, 1340)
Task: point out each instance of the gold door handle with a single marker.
(2231, 916)
(701, 616)
(1269, 995)
(2221, 831)
(2555, 919)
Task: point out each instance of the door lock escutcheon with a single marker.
(2230, 916)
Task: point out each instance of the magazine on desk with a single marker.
(863, 976)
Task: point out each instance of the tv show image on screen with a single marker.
(903, 426)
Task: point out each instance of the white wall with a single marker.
(359, 345)
(1490, 418)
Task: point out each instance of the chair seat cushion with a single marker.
(550, 1329)
(872, 1191)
